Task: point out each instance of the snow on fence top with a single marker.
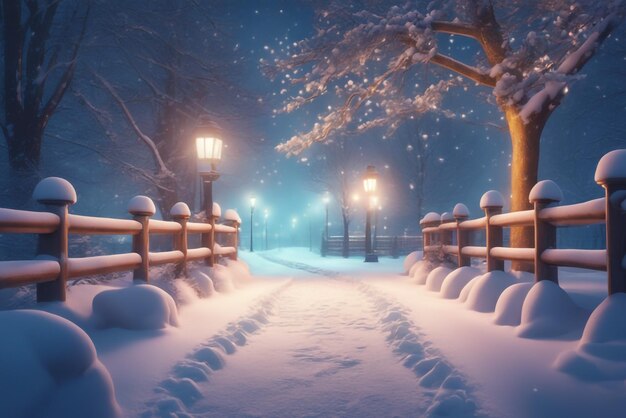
(460, 211)
(54, 189)
(545, 191)
(430, 217)
(612, 167)
(217, 210)
(180, 210)
(232, 215)
(446, 217)
(491, 199)
(54, 266)
(141, 205)
(611, 173)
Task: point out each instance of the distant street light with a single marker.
(370, 179)
(209, 152)
(252, 203)
(376, 208)
(326, 200)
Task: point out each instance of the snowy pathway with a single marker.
(324, 345)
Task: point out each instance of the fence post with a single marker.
(395, 249)
(216, 212)
(180, 213)
(235, 241)
(445, 236)
(142, 208)
(57, 195)
(461, 213)
(431, 219)
(611, 174)
(542, 195)
(492, 202)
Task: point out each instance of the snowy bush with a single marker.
(601, 353)
(410, 260)
(50, 368)
(454, 282)
(436, 277)
(548, 311)
(141, 306)
(486, 290)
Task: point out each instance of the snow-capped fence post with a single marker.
(461, 213)
(431, 243)
(142, 208)
(233, 219)
(180, 213)
(611, 174)
(445, 236)
(544, 194)
(216, 212)
(57, 195)
(492, 203)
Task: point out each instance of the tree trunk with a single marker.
(345, 248)
(525, 138)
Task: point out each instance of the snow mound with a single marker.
(141, 205)
(436, 277)
(410, 260)
(486, 290)
(239, 271)
(491, 199)
(611, 166)
(509, 305)
(136, 307)
(202, 283)
(222, 278)
(180, 210)
(601, 353)
(467, 289)
(419, 271)
(454, 282)
(50, 368)
(548, 311)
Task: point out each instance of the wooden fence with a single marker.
(393, 246)
(53, 265)
(448, 235)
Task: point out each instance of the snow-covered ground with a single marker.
(315, 337)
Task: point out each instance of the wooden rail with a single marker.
(54, 266)
(545, 218)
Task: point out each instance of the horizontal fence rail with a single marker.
(53, 265)
(447, 236)
(393, 246)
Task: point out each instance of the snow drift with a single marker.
(486, 290)
(50, 368)
(410, 260)
(436, 277)
(454, 282)
(601, 352)
(140, 306)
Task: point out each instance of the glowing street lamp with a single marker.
(209, 152)
(252, 204)
(370, 179)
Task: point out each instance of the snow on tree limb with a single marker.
(528, 56)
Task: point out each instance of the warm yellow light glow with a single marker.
(369, 180)
(356, 197)
(209, 148)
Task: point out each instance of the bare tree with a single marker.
(180, 71)
(529, 55)
(41, 40)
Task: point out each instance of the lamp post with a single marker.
(252, 203)
(369, 185)
(294, 223)
(375, 208)
(326, 201)
(266, 215)
(209, 151)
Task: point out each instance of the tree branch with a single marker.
(463, 69)
(462, 29)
